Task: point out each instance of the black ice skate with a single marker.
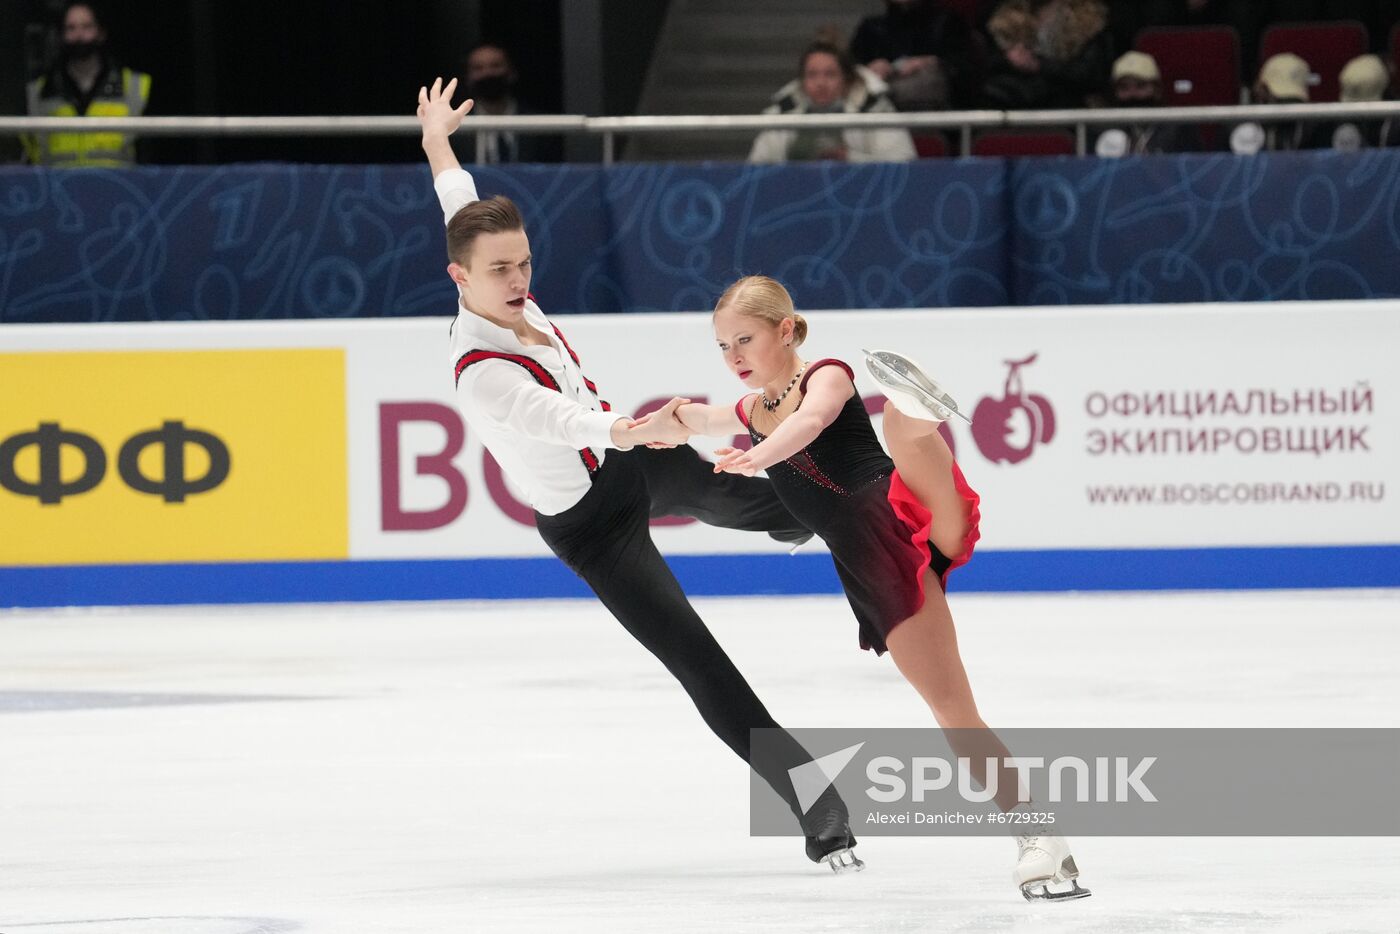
(829, 838)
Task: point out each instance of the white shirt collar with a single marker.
(499, 338)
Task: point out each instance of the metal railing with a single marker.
(963, 122)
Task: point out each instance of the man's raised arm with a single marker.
(440, 120)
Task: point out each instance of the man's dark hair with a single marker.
(491, 215)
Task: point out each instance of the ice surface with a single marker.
(527, 767)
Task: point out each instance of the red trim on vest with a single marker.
(560, 334)
(541, 376)
(573, 356)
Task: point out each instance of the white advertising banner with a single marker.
(1093, 428)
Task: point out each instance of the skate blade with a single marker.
(891, 371)
(844, 861)
(1040, 891)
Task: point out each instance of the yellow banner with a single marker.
(168, 456)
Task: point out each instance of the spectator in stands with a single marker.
(1283, 79)
(830, 82)
(1048, 54)
(922, 51)
(1365, 78)
(491, 82)
(85, 81)
(1137, 82)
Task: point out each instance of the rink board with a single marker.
(1186, 447)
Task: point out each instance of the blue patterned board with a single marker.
(287, 241)
(1282, 226)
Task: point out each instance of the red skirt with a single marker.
(881, 555)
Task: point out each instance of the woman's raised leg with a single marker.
(925, 465)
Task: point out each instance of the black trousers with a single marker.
(679, 482)
(605, 539)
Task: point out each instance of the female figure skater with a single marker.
(895, 528)
(590, 476)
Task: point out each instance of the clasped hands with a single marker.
(666, 428)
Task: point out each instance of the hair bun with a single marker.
(799, 328)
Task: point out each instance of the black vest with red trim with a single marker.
(541, 376)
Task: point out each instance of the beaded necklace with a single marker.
(773, 405)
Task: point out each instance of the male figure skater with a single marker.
(588, 474)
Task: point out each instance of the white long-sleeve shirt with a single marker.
(546, 441)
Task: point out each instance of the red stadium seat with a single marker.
(1023, 144)
(1326, 47)
(930, 145)
(1200, 65)
(1200, 68)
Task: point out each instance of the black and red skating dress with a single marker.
(844, 487)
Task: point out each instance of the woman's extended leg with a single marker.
(925, 649)
(925, 465)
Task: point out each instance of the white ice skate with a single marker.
(910, 388)
(1044, 860)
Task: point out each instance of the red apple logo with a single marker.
(1008, 429)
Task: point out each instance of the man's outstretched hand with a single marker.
(655, 429)
(435, 110)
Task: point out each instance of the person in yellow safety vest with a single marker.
(84, 82)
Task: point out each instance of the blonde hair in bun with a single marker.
(764, 298)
